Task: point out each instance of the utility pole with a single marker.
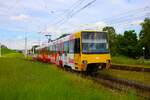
(25, 51)
(0, 50)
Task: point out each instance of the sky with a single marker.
(35, 18)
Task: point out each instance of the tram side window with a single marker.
(49, 49)
(60, 47)
(55, 49)
(66, 47)
(77, 46)
(52, 48)
(71, 46)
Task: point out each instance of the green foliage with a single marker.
(127, 44)
(5, 50)
(145, 37)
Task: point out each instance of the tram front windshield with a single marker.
(94, 42)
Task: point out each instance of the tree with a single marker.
(130, 39)
(145, 37)
(127, 44)
(112, 38)
(120, 44)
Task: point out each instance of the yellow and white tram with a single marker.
(87, 50)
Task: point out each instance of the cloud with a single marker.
(137, 22)
(95, 26)
(101, 24)
(20, 17)
(53, 30)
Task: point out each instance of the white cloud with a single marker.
(14, 44)
(95, 26)
(53, 30)
(20, 17)
(137, 22)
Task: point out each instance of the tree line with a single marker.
(130, 43)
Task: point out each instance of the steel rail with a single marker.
(129, 68)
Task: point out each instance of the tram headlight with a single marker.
(84, 62)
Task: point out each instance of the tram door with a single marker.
(77, 54)
(65, 54)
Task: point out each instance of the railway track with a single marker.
(129, 68)
(126, 82)
(122, 84)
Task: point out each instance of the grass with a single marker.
(6, 51)
(21, 79)
(141, 77)
(129, 61)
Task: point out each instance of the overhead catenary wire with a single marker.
(60, 23)
(65, 14)
(133, 14)
(85, 6)
(126, 17)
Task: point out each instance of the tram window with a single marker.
(71, 46)
(61, 48)
(50, 49)
(54, 48)
(66, 47)
(57, 47)
(77, 46)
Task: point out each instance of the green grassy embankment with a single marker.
(122, 60)
(5, 51)
(142, 77)
(21, 79)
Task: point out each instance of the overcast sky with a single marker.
(18, 17)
